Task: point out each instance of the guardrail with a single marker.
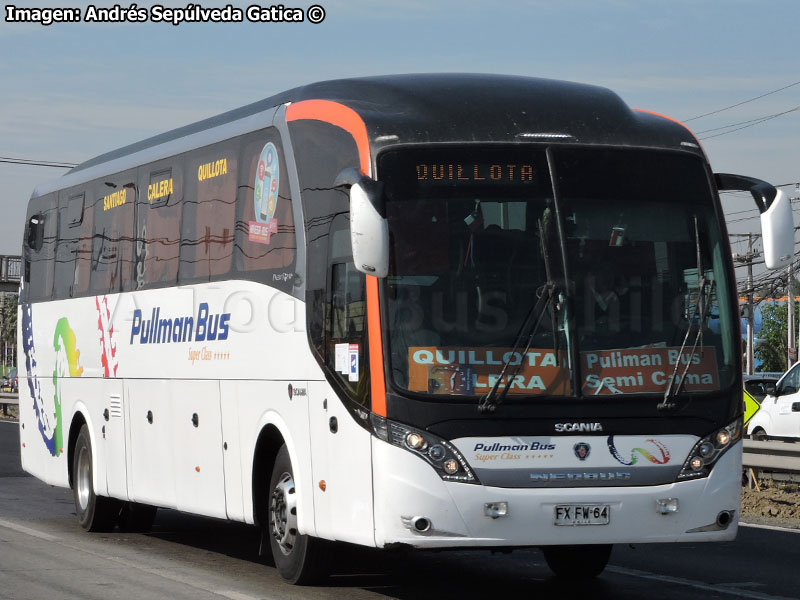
(773, 455)
(778, 457)
(6, 400)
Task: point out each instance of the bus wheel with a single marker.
(577, 562)
(297, 557)
(95, 513)
(135, 517)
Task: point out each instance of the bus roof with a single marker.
(447, 108)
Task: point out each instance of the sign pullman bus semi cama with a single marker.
(504, 330)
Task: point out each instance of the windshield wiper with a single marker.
(705, 289)
(546, 298)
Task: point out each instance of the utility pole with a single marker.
(791, 284)
(747, 259)
(750, 324)
(791, 349)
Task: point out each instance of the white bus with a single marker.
(437, 311)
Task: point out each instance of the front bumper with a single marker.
(407, 489)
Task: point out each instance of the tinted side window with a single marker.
(335, 291)
(322, 151)
(208, 213)
(40, 248)
(159, 224)
(70, 215)
(112, 243)
(346, 315)
(265, 236)
(83, 251)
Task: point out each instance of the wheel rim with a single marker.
(283, 513)
(83, 479)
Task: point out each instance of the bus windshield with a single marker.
(474, 231)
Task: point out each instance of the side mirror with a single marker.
(35, 235)
(769, 388)
(369, 230)
(777, 222)
(777, 229)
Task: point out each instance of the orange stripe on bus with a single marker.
(346, 118)
(668, 118)
(378, 377)
(340, 116)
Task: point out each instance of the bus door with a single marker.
(341, 449)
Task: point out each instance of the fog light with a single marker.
(495, 509)
(450, 466)
(723, 437)
(667, 505)
(696, 463)
(415, 441)
(706, 449)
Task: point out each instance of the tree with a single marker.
(8, 326)
(772, 349)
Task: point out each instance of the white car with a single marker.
(779, 415)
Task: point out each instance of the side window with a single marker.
(70, 216)
(40, 248)
(209, 208)
(83, 251)
(112, 242)
(158, 236)
(265, 233)
(322, 151)
(791, 383)
(346, 314)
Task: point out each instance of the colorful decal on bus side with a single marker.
(47, 402)
(662, 450)
(108, 346)
(265, 195)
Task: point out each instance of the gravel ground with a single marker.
(776, 504)
(12, 411)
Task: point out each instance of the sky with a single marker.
(71, 91)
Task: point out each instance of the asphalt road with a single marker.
(45, 555)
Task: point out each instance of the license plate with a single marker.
(581, 514)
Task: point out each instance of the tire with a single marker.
(759, 435)
(297, 557)
(95, 513)
(137, 518)
(577, 562)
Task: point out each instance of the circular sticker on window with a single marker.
(266, 184)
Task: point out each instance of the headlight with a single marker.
(707, 451)
(445, 459)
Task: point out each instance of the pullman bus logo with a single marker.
(206, 326)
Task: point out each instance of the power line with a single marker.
(36, 163)
(750, 123)
(713, 112)
(753, 121)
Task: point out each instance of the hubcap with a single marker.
(83, 479)
(283, 513)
